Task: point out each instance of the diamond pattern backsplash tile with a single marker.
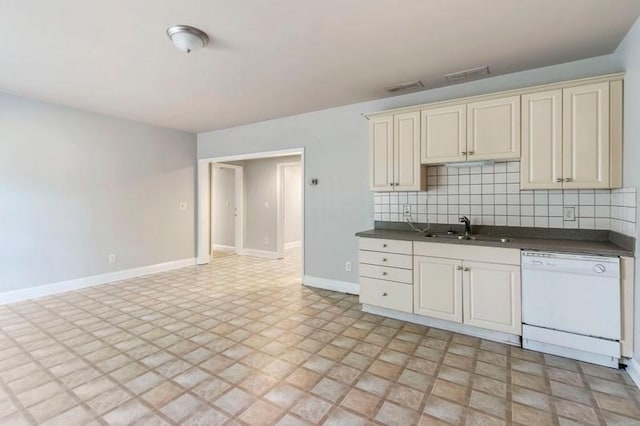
(491, 195)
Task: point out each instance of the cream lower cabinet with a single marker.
(463, 284)
(437, 288)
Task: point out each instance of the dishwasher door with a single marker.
(571, 293)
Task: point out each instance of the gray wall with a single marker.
(260, 180)
(223, 204)
(76, 186)
(628, 55)
(336, 152)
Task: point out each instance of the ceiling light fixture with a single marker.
(187, 38)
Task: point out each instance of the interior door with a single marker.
(493, 129)
(223, 208)
(437, 288)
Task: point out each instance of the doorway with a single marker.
(289, 206)
(227, 209)
(206, 220)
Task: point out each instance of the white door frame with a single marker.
(239, 202)
(203, 224)
(280, 204)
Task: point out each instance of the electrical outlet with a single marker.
(183, 205)
(569, 213)
(112, 258)
(407, 210)
(347, 266)
(266, 241)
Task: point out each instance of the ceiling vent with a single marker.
(409, 85)
(469, 74)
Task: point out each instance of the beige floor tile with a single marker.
(361, 402)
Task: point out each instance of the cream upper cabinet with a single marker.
(437, 287)
(493, 129)
(381, 153)
(443, 134)
(586, 136)
(406, 164)
(572, 138)
(394, 153)
(541, 164)
(492, 296)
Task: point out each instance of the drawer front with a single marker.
(386, 273)
(386, 259)
(389, 246)
(386, 294)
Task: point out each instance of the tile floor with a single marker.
(241, 342)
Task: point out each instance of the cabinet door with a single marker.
(541, 165)
(586, 136)
(443, 134)
(381, 153)
(406, 153)
(437, 288)
(492, 297)
(493, 129)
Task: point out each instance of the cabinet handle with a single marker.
(384, 273)
(567, 179)
(466, 269)
(384, 259)
(558, 179)
(458, 268)
(470, 153)
(384, 294)
(463, 153)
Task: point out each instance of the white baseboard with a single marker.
(221, 247)
(334, 285)
(633, 368)
(292, 245)
(260, 253)
(78, 283)
(495, 336)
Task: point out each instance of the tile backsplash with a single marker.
(491, 195)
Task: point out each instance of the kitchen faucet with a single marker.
(467, 225)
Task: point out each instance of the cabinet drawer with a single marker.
(389, 246)
(386, 259)
(386, 294)
(386, 273)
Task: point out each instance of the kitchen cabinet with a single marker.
(493, 129)
(443, 134)
(492, 296)
(472, 285)
(571, 137)
(483, 130)
(438, 288)
(386, 273)
(394, 150)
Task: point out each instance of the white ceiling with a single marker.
(280, 57)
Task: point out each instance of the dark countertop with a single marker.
(573, 241)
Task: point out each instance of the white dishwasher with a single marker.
(571, 306)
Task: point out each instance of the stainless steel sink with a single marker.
(469, 237)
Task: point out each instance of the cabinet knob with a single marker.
(567, 179)
(458, 268)
(384, 259)
(463, 153)
(384, 294)
(470, 153)
(558, 179)
(384, 245)
(384, 273)
(465, 269)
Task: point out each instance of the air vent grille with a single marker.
(409, 85)
(467, 74)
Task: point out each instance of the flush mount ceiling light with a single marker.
(187, 38)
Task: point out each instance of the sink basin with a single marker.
(469, 237)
